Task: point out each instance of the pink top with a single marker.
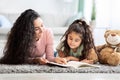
(44, 46)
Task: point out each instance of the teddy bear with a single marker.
(109, 53)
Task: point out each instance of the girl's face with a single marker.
(74, 40)
(38, 24)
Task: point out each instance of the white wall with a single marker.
(44, 6)
(108, 14)
(13, 6)
(87, 9)
(107, 17)
(115, 14)
(103, 13)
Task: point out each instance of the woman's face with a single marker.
(74, 40)
(38, 24)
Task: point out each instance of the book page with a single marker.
(77, 64)
(74, 64)
(57, 64)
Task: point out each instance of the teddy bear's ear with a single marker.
(106, 33)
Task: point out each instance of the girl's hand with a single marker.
(87, 61)
(60, 60)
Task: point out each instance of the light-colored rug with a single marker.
(55, 69)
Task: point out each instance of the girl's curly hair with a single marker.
(81, 27)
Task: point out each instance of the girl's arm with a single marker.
(61, 54)
(87, 61)
(92, 56)
(68, 58)
(71, 58)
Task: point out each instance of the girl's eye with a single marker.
(70, 38)
(77, 40)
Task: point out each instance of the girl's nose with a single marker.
(72, 41)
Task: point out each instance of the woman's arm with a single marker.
(49, 50)
(36, 60)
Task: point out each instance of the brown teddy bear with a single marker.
(109, 53)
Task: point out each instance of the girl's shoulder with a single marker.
(91, 50)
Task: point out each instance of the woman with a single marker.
(29, 41)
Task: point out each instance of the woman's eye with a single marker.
(36, 29)
(41, 25)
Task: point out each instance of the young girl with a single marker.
(29, 41)
(77, 43)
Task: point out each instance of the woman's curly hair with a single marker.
(21, 38)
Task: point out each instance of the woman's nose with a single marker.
(40, 30)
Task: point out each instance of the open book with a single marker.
(74, 64)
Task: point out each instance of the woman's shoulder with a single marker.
(48, 31)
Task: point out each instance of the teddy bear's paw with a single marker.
(112, 63)
(113, 60)
(102, 62)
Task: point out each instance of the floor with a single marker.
(60, 76)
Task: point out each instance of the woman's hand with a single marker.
(60, 60)
(43, 61)
(87, 61)
(40, 60)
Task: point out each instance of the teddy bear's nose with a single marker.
(113, 34)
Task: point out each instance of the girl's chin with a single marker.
(72, 47)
